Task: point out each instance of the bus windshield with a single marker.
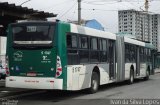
(33, 34)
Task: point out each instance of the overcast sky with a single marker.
(104, 11)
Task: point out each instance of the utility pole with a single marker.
(79, 12)
(146, 5)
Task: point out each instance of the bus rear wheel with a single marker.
(94, 83)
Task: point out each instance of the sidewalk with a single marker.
(157, 70)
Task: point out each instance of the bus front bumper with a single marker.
(34, 82)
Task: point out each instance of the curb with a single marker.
(157, 72)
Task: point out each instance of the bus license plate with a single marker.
(31, 74)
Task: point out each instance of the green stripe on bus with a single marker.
(149, 45)
(63, 28)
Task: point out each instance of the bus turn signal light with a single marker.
(59, 67)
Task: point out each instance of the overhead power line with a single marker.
(99, 2)
(68, 10)
(98, 9)
(24, 2)
(58, 4)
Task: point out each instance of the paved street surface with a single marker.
(2, 83)
(139, 90)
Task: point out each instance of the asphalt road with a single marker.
(139, 90)
(2, 83)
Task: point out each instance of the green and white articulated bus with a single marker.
(64, 56)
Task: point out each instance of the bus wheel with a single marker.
(94, 83)
(147, 75)
(131, 78)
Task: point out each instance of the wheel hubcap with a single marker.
(131, 78)
(95, 84)
(147, 73)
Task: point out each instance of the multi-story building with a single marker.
(155, 30)
(143, 26)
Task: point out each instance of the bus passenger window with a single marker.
(94, 44)
(84, 56)
(72, 52)
(83, 42)
(71, 41)
(94, 53)
(141, 54)
(127, 53)
(103, 50)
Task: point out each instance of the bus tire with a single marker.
(94, 83)
(131, 77)
(147, 75)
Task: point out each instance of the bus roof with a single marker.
(133, 41)
(139, 43)
(92, 32)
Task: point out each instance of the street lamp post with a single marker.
(79, 12)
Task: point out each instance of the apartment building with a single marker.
(155, 30)
(143, 26)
